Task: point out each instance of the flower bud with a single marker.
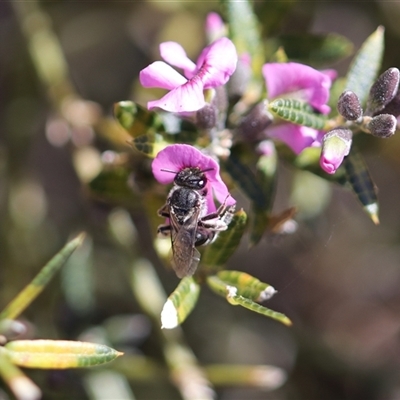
(393, 107)
(214, 27)
(206, 117)
(349, 106)
(383, 90)
(238, 83)
(254, 123)
(336, 145)
(383, 125)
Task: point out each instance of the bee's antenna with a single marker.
(206, 170)
(168, 170)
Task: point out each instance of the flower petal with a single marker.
(299, 80)
(174, 54)
(184, 98)
(295, 136)
(217, 62)
(336, 145)
(161, 75)
(214, 27)
(176, 157)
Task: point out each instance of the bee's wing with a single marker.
(183, 238)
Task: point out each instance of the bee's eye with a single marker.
(201, 183)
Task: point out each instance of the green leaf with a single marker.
(247, 286)
(149, 144)
(245, 32)
(297, 112)
(136, 119)
(238, 300)
(315, 49)
(360, 180)
(111, 186)
(230, 292)
(39, 282)
(58, 354)
(366, 64)
(180, 303)
(217, 253)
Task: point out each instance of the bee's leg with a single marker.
(164, 211)
(164, 230)
(219, 220)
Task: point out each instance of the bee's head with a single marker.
(192, 178)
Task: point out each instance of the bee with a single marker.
(189, 224)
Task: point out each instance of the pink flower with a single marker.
(176, 157)
(214, 27)
(294, 80)
(336, 145)
(216, 64)
(296, 137)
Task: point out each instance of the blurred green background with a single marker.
(337, 276)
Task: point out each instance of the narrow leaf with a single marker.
(180, 303)
(136, 119)
(314, 49)
(360, 180)
(238, 300)
(58, 354)
(16, 380)
(218, 252)
(32, 290)
(297, 112)
(365, 66)
(247, 286)
(231, 294)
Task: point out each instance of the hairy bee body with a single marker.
(189, 224)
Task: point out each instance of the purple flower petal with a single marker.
(174, 54)
(300, 81)
(336, 145)
(161, 75)
(184, 98)
(214, 27)
(295, 136)
(179, 156)
(217, 62)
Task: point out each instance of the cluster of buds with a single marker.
(379, 118)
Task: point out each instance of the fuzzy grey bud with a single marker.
(206, 117)
(349, 106)
(238, 82)
(252, 125)
(383, 125)
(393, 107)
(383, 90)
